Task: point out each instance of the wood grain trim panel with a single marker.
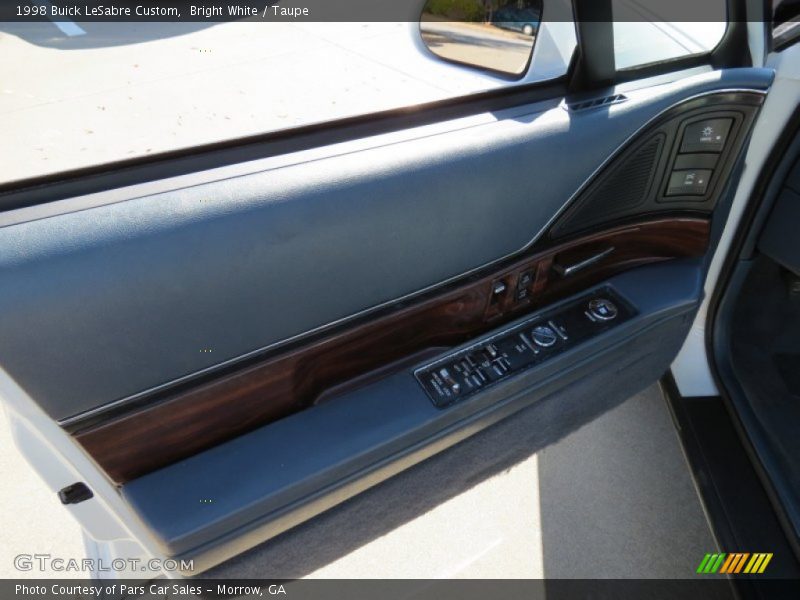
(192, 420)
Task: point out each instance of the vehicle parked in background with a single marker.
(525, 20)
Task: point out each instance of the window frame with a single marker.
(731, 51)
(590, 70)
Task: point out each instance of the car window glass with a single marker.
(646, 31)
(80, 94)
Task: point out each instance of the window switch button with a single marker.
(689, 182)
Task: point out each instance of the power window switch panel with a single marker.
(689, 182)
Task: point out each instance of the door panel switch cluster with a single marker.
(701, 145)
(504, 354)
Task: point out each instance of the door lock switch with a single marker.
(523, 285)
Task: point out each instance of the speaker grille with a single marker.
(619, 192)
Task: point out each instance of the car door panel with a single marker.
(202, 414)
(261, 485)
(257, 338)
(205, 414)
(319, 238)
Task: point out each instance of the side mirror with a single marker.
(497, 35)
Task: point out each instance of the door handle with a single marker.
(566, 271)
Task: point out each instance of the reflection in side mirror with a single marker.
(490, 34)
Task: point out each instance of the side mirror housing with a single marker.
(494, 35)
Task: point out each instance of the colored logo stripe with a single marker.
(742, 562)
(735, 562)
(703, 563)
(726, 566)
(758, 563)
(710, 563)
(738, 564)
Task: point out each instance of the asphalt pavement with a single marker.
(120, 90)
(74, 95)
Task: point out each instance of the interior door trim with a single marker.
(131, 443)
(134, 401)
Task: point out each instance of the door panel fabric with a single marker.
(105, 303)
